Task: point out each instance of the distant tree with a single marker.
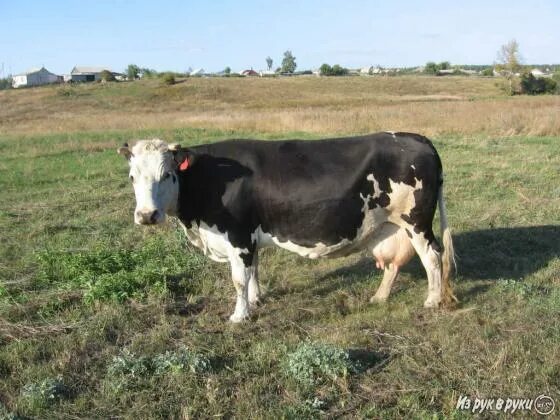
(431, 68)
(132, 72)
(288, 62)
(336, 70)
(107, 76)
(6, 83)
(444, 65)
(532, 85)
(325, 70)
(269, 62)
(509, 57)
(227, 70)
(339, 70)
(489, 71)
(148, 72)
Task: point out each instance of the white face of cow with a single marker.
(153, 176)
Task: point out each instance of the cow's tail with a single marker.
(448, 256)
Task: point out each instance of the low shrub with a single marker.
(128, 371)
(45, 392)
(168, 79)
(66, 91)
(107, 76)
(106, 273)
(313, 363)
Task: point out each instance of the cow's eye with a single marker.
(165, 176)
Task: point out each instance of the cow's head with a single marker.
(153, 172)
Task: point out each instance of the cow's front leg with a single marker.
(254, 289)
(240, 274)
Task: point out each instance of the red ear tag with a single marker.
(183, 166)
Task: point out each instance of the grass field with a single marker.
(100, 318)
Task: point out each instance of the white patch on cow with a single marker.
(317, 251)
(376, 189)
(413, 167)
(264, 239)
(213, 243)
(402, 199)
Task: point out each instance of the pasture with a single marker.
(101, 318)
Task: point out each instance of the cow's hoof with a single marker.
(255, 302)
(379, 300)
(432, 303)
(237, 318)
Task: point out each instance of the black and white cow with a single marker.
(324, 198)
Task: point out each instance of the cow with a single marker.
(322, 198)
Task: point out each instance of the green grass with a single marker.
(101, 318)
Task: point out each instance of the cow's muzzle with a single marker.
(147, 217)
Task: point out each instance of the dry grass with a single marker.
(431, 105)
(15, 332)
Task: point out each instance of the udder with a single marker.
(391, 248)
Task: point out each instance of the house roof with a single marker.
(88, 69)
(34, 70)
(196, 72)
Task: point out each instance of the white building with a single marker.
(538, 73)
(197, 72)
(35, 77)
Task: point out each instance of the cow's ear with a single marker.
(125, 151)
(185, 158)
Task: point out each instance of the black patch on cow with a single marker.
(435, 245)
(408, 233)
(382, 201)
(305, 191)
(247, 258)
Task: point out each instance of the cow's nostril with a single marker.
(154, 216)
(147, 217)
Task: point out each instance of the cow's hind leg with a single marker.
(241, 275)
(429, 252)
(390, 274)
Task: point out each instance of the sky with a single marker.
(175, 35)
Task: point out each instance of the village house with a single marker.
(89, 74)
(35, 77)
(249, 72)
